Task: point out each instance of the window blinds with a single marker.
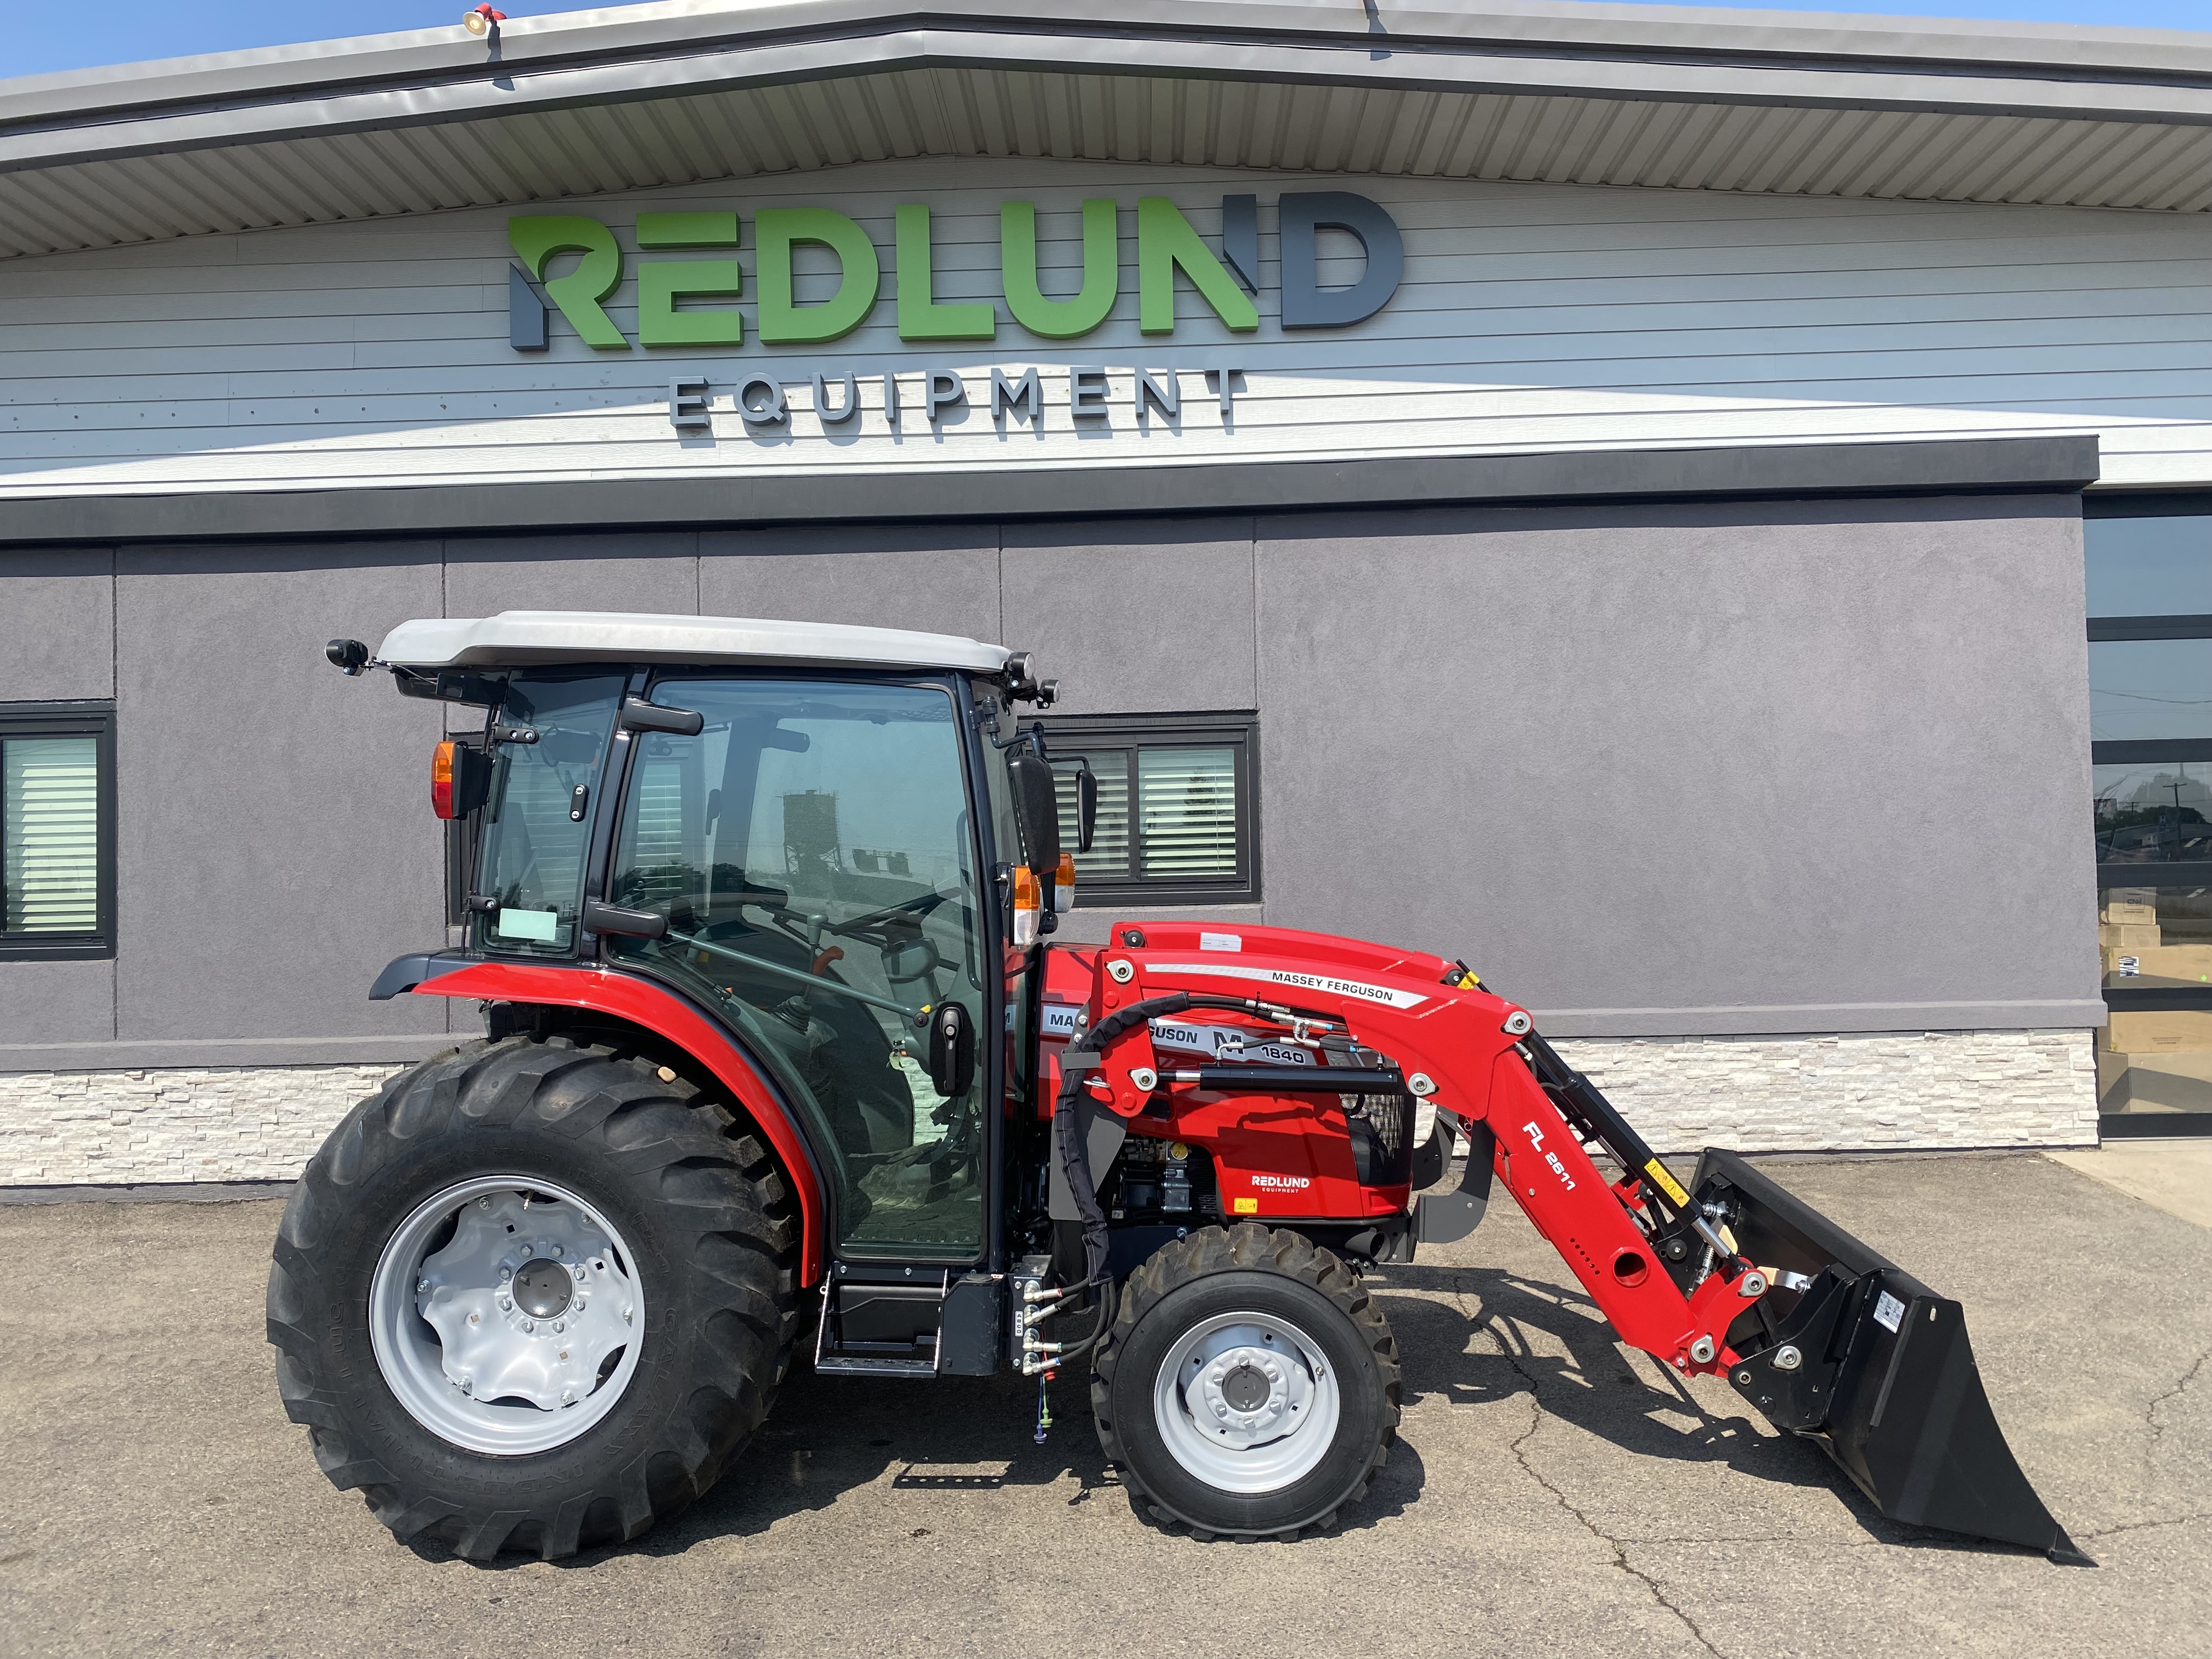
(49, 835)
(1163, 812)
(1187, 810)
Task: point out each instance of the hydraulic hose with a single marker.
(1069, 1142)
(1072, 1146)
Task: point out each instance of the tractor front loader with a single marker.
(779, 1051)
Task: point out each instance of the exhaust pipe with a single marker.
(1866, 1360)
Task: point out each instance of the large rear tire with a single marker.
(1248, 1387)
(533, 1295)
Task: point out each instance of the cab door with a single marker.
(815, 850)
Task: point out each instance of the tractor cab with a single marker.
(814, 836)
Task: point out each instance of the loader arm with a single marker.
(1469, 1052)
(1732, 1276)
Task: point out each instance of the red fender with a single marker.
(643, 1003)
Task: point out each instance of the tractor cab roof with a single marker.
(515, 638)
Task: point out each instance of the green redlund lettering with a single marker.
(782, 321)
(1166, 244)
(1059, 319)
(662, 282)
(538, 238)
(919, 315)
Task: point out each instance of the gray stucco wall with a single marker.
(1803, 767)
(1673, 769)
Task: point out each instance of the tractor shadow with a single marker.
(1501, 1334)
(1467, 1336)
(828, 1436)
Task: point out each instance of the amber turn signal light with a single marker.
(441, 780)
(1028, 901)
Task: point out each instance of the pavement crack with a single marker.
(1519, 1448)
(2150, 1411)
(2145, 1526)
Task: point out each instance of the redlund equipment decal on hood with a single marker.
(1343, 987)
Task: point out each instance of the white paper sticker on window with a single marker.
(1888, 1311)
(1220, 942)
(542, 927)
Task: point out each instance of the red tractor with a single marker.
(758, 914)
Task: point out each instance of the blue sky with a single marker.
(38, 37)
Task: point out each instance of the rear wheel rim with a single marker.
(507, 1314)
(1247, 1402)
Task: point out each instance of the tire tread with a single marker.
(1249, 1246)
(718, 1186)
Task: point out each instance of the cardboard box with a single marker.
(2131, 936)
(2122, 915)
(2156, 1030)
(2186, 964)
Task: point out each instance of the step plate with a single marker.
(854, 1365)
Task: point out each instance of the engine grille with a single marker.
(1382, 1136)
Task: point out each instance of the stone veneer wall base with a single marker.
(1878, 1092)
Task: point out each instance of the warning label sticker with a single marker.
(1888, 1311)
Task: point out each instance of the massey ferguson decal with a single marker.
(1387, 995)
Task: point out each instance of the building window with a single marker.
(57, 829)
(2149, 574)
(1178, 806)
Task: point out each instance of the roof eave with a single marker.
(1653, 51)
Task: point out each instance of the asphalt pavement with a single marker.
(1551, 1492)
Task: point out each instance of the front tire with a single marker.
(1248, 1387)
(532, 1295)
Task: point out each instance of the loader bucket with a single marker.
(1876, 1367)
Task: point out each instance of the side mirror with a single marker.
(1086, 807)
(952, 1050)
(1037, 805)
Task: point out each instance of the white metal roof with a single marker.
(693, 90)
(518, 637)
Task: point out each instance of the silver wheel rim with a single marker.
(1247, 1402)
(519, 1331)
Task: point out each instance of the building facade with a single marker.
(1694, 512)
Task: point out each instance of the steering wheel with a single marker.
(858, 926)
